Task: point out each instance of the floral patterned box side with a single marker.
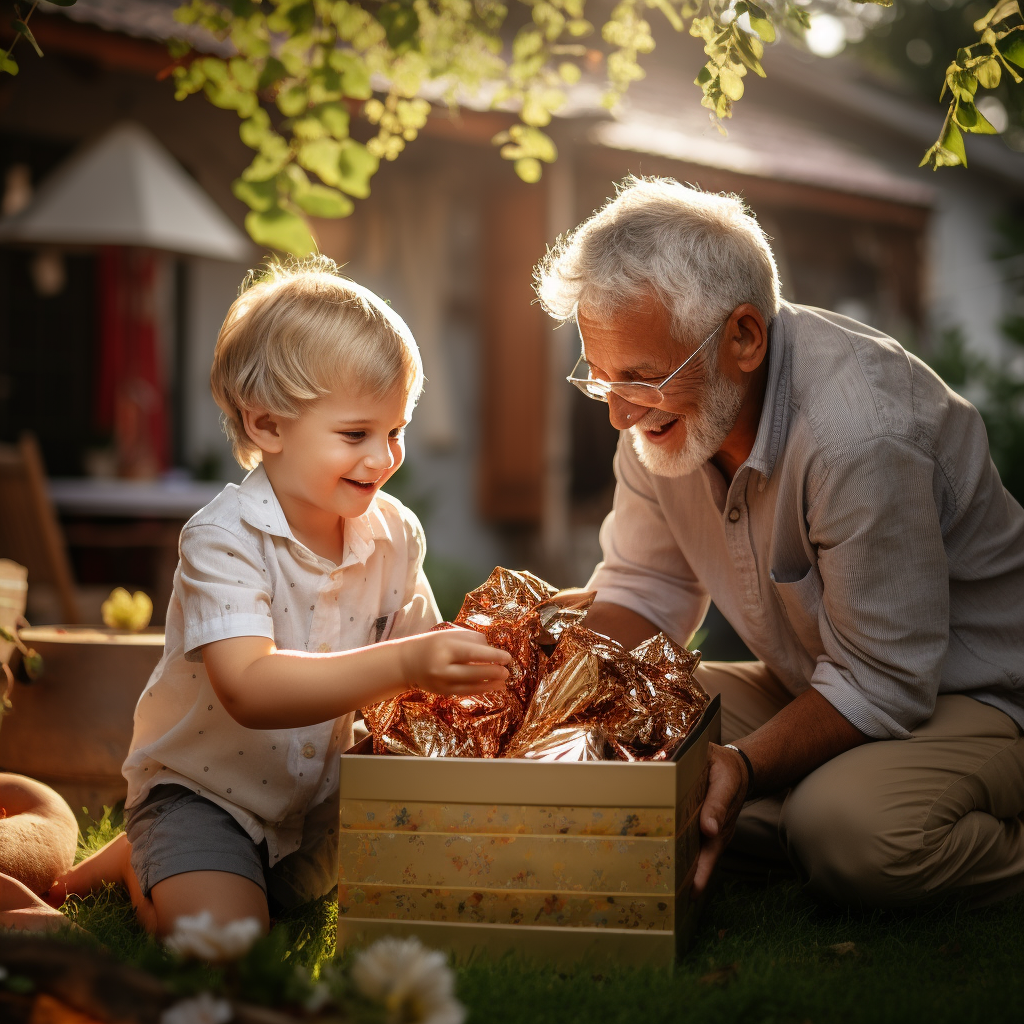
(562, 861)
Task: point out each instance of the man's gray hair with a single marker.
(701, 254)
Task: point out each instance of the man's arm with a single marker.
(622, 624)
(804, 735)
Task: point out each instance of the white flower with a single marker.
(203, 1009)
(318, 998)
(413, 984)
(199, 937)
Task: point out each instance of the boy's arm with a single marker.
(264, 688)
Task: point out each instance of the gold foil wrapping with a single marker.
(572, 694)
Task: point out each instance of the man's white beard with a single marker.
(705, 431)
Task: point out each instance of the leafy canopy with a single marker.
(303, 69)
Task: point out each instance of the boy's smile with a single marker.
(327, 463)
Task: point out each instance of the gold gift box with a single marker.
(561, 861)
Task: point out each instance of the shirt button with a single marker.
(734, 515)
(309, 750)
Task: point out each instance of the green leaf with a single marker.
(938, 156)
(257, 195)
(274, 154)
(1014, 53)
(523, 142)
(281, 229)
(322, 157)
(321, 201)
(7, 635)
(731, 83)
(973, 120)
(989, 73)
(22, 29)
(528, 169)
(750, 51)
(254, 130)
(355, 76)
(292, 101)
(954, 142)
(401, 25)
(243, 73)
(8, 64)
(569, 73)
(335, 118)
(272, 73)
(356, 167)
(761, 23)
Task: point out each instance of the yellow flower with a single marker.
(127, 611)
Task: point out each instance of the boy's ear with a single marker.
(261, 426)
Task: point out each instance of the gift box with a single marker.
(561, 861)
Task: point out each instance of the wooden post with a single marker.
(513, 394)
(561, 341)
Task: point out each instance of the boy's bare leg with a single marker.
(226, 896)
(111, 863)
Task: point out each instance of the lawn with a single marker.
(762, 953)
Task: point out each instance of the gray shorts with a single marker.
(174, 831)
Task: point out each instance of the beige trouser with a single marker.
(893, 821)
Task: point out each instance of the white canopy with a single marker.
(126, 189)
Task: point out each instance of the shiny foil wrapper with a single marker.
(572, 694)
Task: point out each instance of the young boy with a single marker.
(287, 592)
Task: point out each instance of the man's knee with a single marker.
(842, 846)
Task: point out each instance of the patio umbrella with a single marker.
(126, 195)
(126, 189)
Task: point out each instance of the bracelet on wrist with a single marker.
(750, 768)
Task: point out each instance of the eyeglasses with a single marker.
(633, 391)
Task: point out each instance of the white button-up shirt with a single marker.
(243, 573)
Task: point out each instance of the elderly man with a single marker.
(838, 503)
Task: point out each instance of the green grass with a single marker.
(762, 953)
(770, 954)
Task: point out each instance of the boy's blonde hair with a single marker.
(297, 331)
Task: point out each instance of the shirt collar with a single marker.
(259, 507)
(774, 423)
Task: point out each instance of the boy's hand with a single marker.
(453, 662)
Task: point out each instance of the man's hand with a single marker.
(452, 662)
(806, 733)
(727, 789)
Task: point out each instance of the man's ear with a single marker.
(261, 426)
(749, 336)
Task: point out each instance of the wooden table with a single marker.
(101, 515)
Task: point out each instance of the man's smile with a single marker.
(657, 434)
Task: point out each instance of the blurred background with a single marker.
(129, 249)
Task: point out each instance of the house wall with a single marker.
(965, 288)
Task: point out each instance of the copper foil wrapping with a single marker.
(572, 694)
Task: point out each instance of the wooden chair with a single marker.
(29, 530)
